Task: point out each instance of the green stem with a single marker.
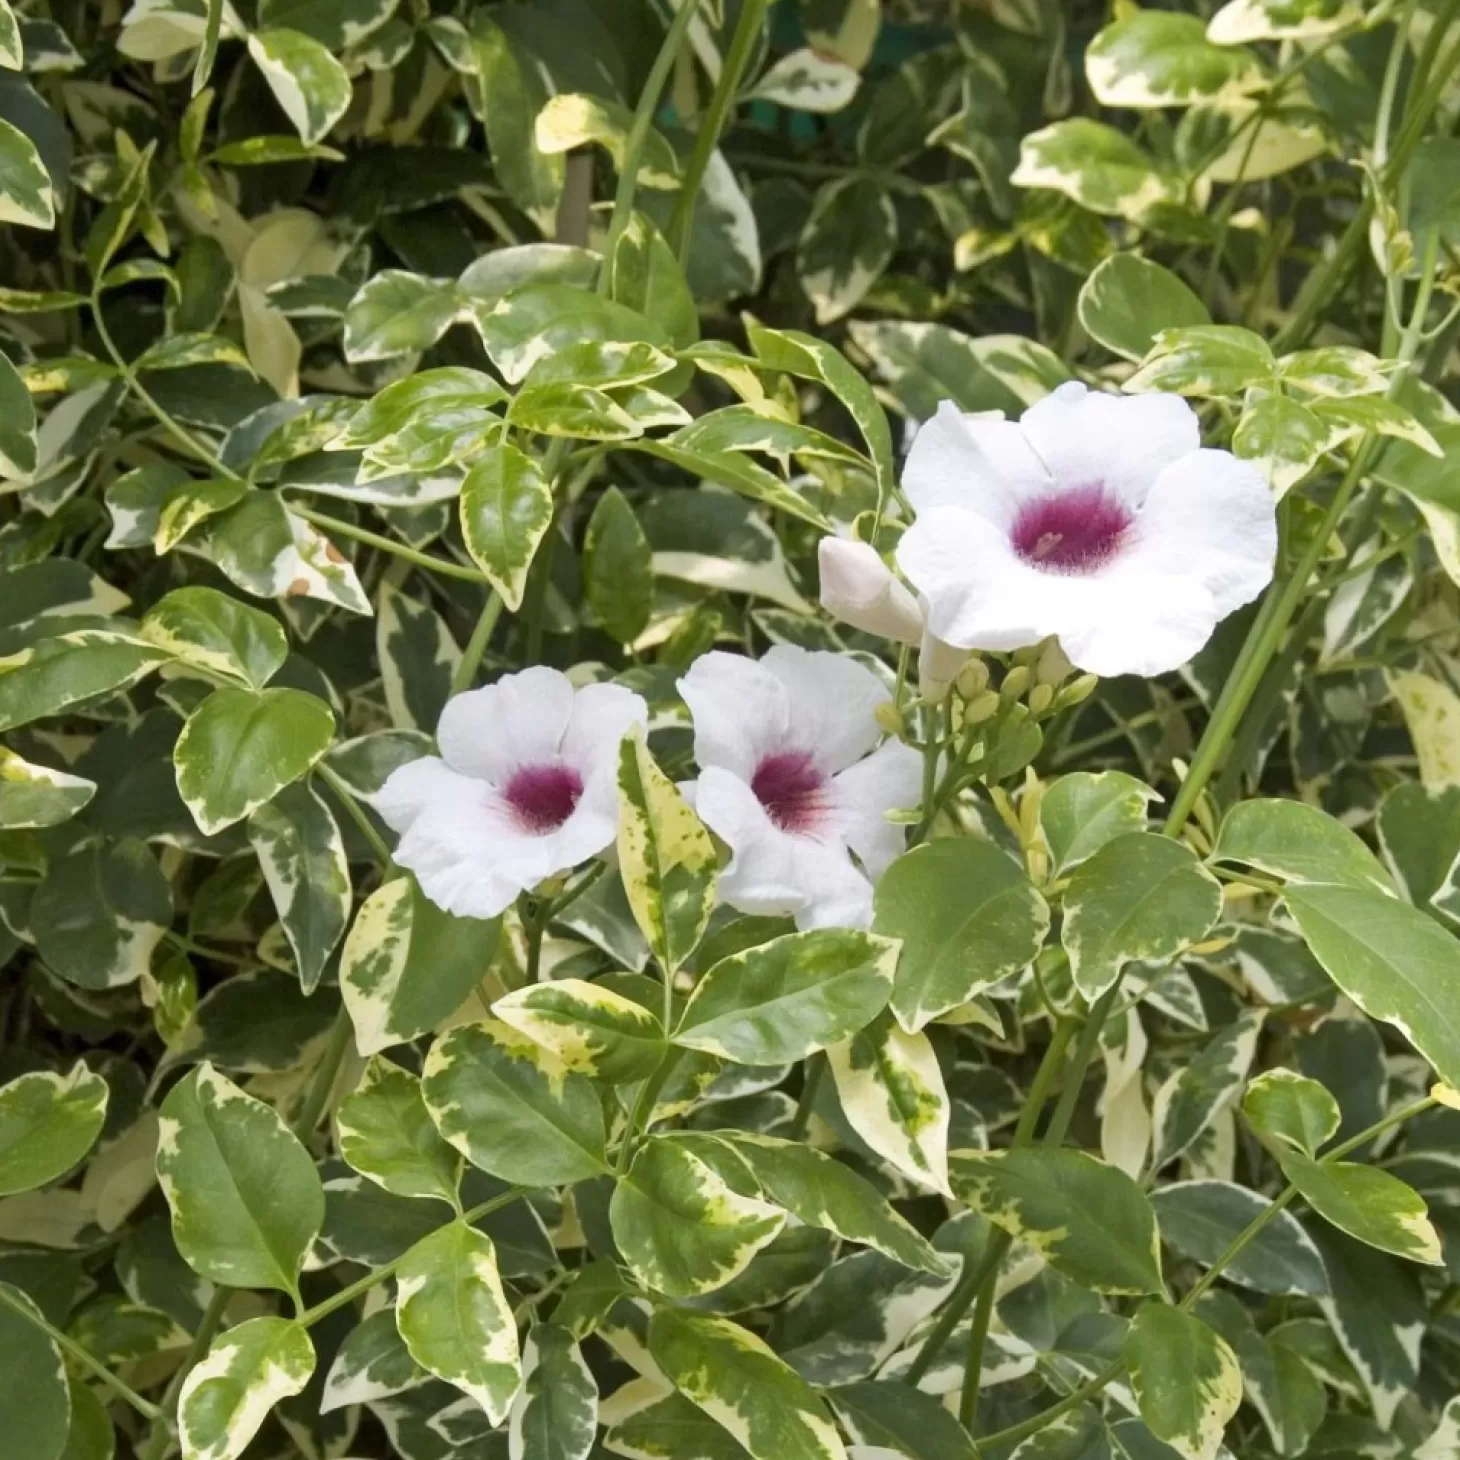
(357, 814)
(443, 566)
(159, 1441)
(476, 646)
(628, 178)
(92, 1365)
(341, 1041)
(644, 1107)
(742, 43)
(978, 1333)
(810, 1084)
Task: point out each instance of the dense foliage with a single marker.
(606, 850)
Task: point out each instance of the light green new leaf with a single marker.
(1395, 962)
(1099, 167)
(618, 568)
(54, 674)
(512, 1108)
(35, 1402)
(427, 420)
(12, 50)
(177, 352)
(506, 509)
(241, 747)
(790, 997)
(679, 1227)
(455, 1319)
(588, 1026)
(1288, 1107)
(1299, 843)
(1082, 810)
(229, 1394)
(35, 796)
(1205, 360)
(17, 423)
(386, 1133)
(406, 965)
(1157, 58)
(891, 1091)
(372, 1363)
(555, 1414)
(580, 412)
(820, 1191)
(1129, 300)
(1282, 437)
(1141, 897)
(1367, 1203)
(100, 913)
(311, 86)
(48, 1122)
(666, 857)
(737, 1380)
(1185, 1378)
(246, 1200)
(1202, 1087)
(398, 313)
(574, 119)
(1089, 1220)
(25, 186)
(203, 627)
(967, 916)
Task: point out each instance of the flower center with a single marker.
(542, 797)
(789, 786)
(1071, 532)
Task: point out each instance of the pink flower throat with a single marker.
(1075, 531)
(789, 786)
(543, 797)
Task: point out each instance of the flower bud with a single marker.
(1041, 697)
(973, 678)
(858, 588)
(1076, 690)
(980, 708)
(889, 717)
(1016, 681)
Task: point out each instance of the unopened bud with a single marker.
(858, 588)
(1077, 690)
(973, 678)
(1041, 697)
(1016, 681)
(890, 718)
(980, 708)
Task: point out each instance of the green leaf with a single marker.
(455, 1318)
(731, 469)
(241, 747)
(671, 1428)
(55, 674)
(1129, 300)
(12, 51)
(506, 509)
(967, 916)
(1157, 58)
(48, 1123)
(618, 568)
(397, 313)
(427, 420)
(311, 86)
(25, 186)
(555, 1415)
(1202, 1219)
(573, 119)
(1367, 1203)
(1396, 963)
(666, 857)
(647, 277)
(1185, 1379)
(755, 427)
(372, 1363)
(407, 965)
(35, 796)
(1088, 1219)
(1269, 20)
(820, 1191)
(898, 1419)
(1203, 1086)
(386, 1133)
(790, 997)
(1298, 843)
(1205, 360)
(228, 1395)
(512, 1108)
(736, 1380)
(35, 1403)
(176, 352)
(679, 1227)
(1141, 897)
(1282, 437)
(1083, 810)
(1288, 1107)
(418, 659)
(891, 1091)
(246, 1200)
(17, 423)
(1099, 167)
(262, 151)
(216, 633)
(100, 913)
(846, 244)
(90, 1436)
(587, 1026)
(191, 504)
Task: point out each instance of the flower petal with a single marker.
(1137, 622)
(410, 789)
(858, 588)
(1211, 516)
(517, 721)
(982, 463)
(602, 715)
(1123, 442)
(889, 779)
(740, 709)
(833, 704)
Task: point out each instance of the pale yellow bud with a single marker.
(1041, 697)
(890, 718)
(980, 708)
(973, 678)
(1016, 681)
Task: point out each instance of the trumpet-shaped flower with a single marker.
(525, 787)
(1098, 518)
(793, 780)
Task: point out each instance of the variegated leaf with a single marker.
(588, 1026)
(229, 1394)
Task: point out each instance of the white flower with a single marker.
(526, 786)
(791, 777)
(858, 588)
(1095, 517)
